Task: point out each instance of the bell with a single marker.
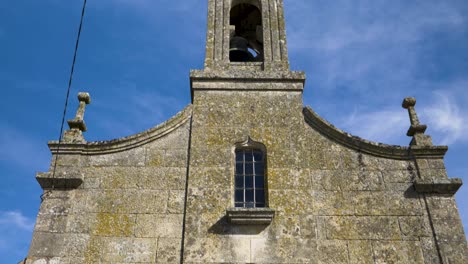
(238, 50)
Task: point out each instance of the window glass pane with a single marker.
(248, 155)
(239, 182)
(259, 205)
(239, 205)
(259, 182)
(258, 155)
(260, 196)
(249, 195)
(259, 168)
(239, 168)
(250, 205)
(239, 156)
(248, 168)
(248, 181)
(239, 196)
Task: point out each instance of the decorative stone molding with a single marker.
(247, 80)
(438, 186)
(369, 147)
(250, 216)
(121, 144)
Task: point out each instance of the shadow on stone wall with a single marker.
(222, 227)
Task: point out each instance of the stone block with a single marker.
(386, 203)
(176, 158)
(57, 245)
(159, 226)
(113, 224)
(429, 249)
(454, 253)
(414, 227)
(176, 202)
(332, 203)
(168, 250)
(283, 201)
(200, 156)
(361, 180)
(65, 161)
(127, 201)
(283, 250)
(331, 252)
(399, 176)
(52, 223)
(288, 178)
(365, 227)
(132, 157)
(127, 250)
(217, 250)
(325, 180)
(360, 252)
(397, 252)
(155, 157)
(78, 223)
(209, 201)
(210, 177)
(449, 229)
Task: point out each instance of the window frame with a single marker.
(249, 144)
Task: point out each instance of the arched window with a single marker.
(249, 178)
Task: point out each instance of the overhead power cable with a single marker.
(70, 80)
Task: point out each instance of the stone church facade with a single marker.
(247, 174)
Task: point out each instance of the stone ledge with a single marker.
(250, 216)
(60, 180)
(280, 75)
(438, 186)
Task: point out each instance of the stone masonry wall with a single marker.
(333, 204)
(129, 208)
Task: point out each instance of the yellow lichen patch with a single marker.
(114, 225)
(92, 252)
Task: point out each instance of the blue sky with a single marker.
(361, 58)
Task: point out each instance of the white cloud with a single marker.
(386, 126)
(372, 47)
(446, 118)
(15, 234)
(16, 220)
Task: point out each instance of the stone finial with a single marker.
(416, 129)
(78, 121)
(77, 125)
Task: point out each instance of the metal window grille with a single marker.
(249, 178)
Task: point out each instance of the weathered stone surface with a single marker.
(387, 203)
(397, 252)
(168, 250)
(364, 227)
(159, 226)
(360, 252)
(161, 196)
(128, 250)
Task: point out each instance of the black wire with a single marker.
(68, 94)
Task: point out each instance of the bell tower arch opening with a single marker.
(246, 32)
